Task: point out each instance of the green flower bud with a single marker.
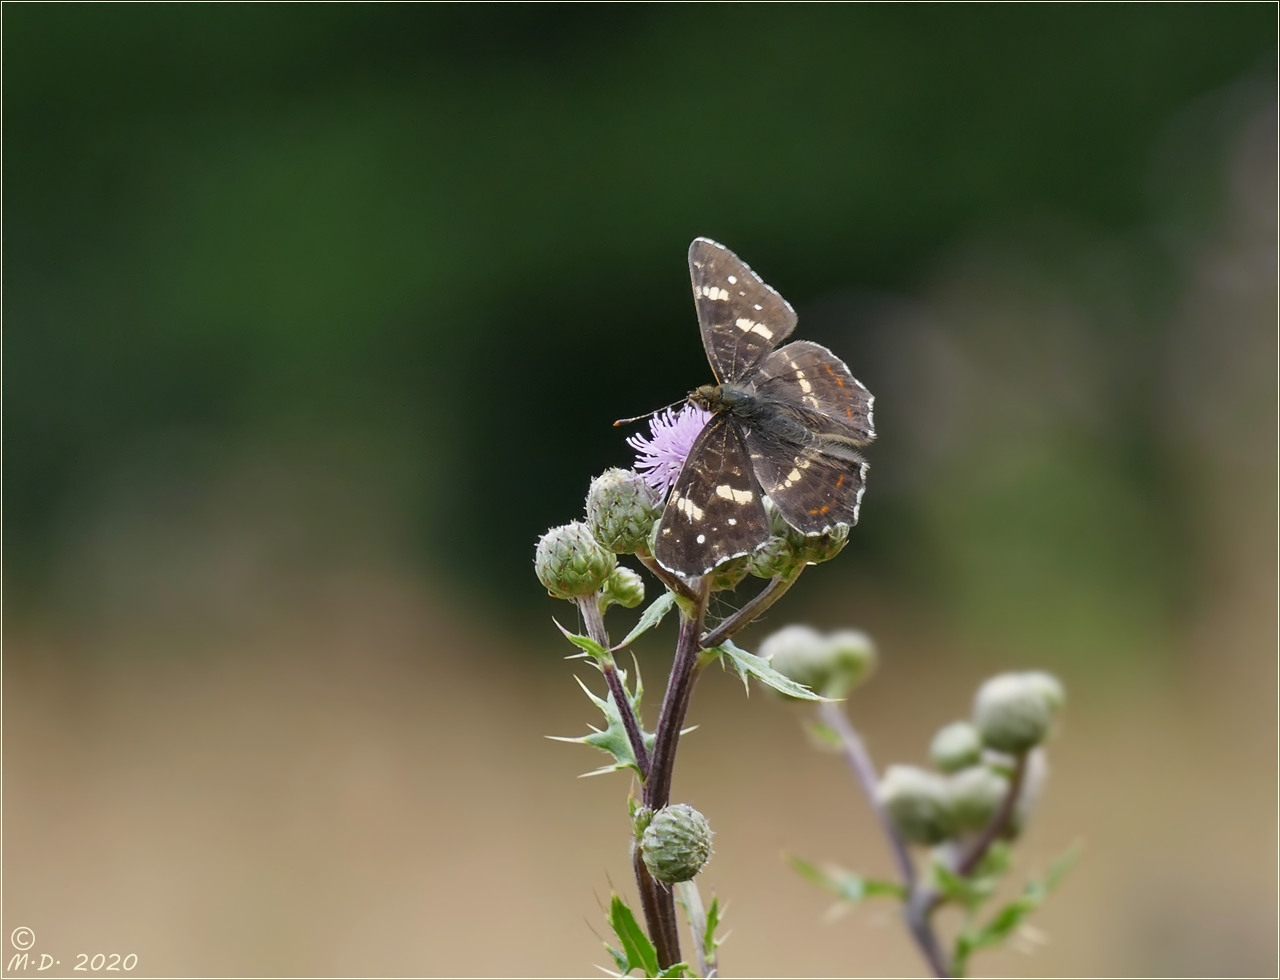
(788, 550)
(1049, 686)
(571, 563)
(625, 588)
(854, 658)
(640, 820)
(956, 746)
(677, 843)
(1012, 713)
(727, 575)
(976, 794)
(799, 653)
(814, 549)
(621, 510)
(829, 665)
(918, 802)
(774, 557)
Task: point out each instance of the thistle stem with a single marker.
(920, 902)
(594, 622)
(754, 608)
(661, 919)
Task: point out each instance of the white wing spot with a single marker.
(701, 539)
(733, 521)
(805, 385)
(792, 477)
(733, 280)
(715, 293)
(757, 306)
(737, 496)
(689, 509)
(750, 326)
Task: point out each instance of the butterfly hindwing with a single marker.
(741, 318)
(814, 490)
(714, 512)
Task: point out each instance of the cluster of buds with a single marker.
(580, 558)
(829, 664)
(1012, 717)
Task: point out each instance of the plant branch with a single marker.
(919, 906)
(594, 621)
(690, 898)
(661, 919)
(754, 608)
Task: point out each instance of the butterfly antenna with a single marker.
(648, 414)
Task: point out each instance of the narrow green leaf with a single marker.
(649, 619)
(968, 892)
(846, 885)
(1058, 870)
(590, 646)
(749, 665)
(709, 941)
(640, 952)
(1010, 917)
(675, 970)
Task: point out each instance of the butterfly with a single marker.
(786, 421)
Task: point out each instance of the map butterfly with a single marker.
(786, 422)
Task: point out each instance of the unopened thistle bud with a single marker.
(956, 746)
(800, 654)
(1049, 685)
(830, 665)
(1013, 712)
(571, 563)
(677, 843)
(854, 658)
(728, 574)
(918, 802)
(621, 510)
(625, 588)
(788, 550)
(976, 794)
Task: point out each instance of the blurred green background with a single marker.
(320, 317)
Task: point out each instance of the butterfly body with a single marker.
(786, 421)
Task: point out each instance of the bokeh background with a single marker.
(319, 315)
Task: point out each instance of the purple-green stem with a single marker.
(661, 919)
(656, 901)
(922, 901)
(593, 619)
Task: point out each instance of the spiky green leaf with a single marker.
(650, 618)
(613, 737)
(748, 665)
(640, 953)
(589, 646)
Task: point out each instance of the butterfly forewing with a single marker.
(808, 374)
(741, 318)
(714, 512)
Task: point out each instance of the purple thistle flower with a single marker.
(660, 457)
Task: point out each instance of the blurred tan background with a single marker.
(319, 316)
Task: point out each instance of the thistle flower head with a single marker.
(660, 457)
